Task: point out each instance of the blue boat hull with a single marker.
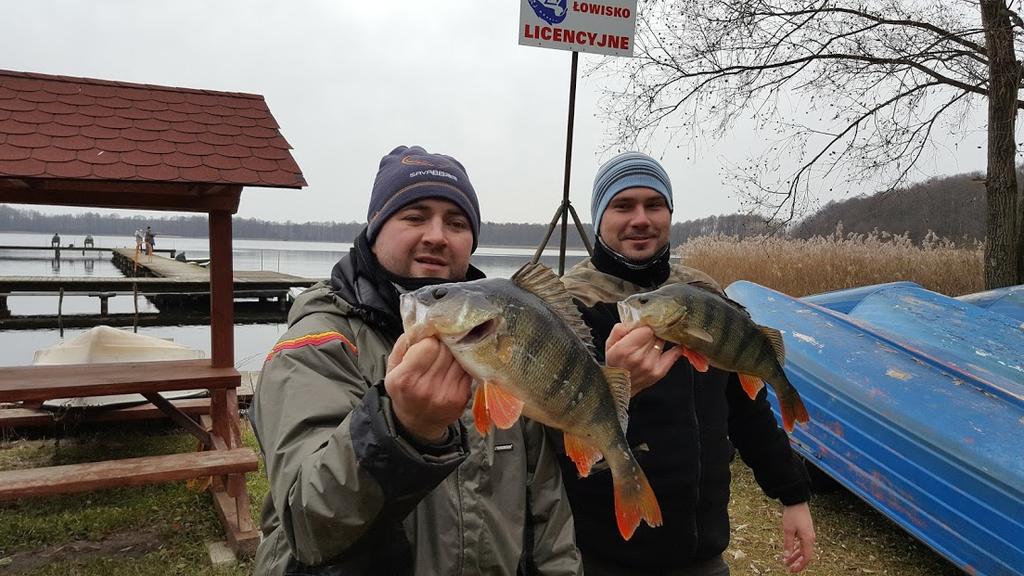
(1005, 301)
(908, 415)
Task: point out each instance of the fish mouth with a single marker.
(628, 314)
(479, 332)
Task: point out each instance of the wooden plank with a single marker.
(26, 383)
(26, 418)
(15, 484)
(161, 199)
(180, 418)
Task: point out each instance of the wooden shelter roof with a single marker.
(81, 141)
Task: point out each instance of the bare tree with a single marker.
(852, 89)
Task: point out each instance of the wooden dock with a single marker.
(72, 248)
(171, 285)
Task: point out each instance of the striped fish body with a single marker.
(716, 331)
(527, 360)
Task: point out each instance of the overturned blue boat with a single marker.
(917, 406)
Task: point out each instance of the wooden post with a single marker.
(222, 300)
(231, 499)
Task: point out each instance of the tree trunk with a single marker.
(1003, 242)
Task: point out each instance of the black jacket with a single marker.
(683, 431)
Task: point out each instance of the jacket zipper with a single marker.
(462, 527)
(700, 469)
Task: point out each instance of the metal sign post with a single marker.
(605, 28)
(565, 208)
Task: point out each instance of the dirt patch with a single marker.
(118, 545)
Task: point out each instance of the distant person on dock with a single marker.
(139, 237)
(88, 241)
(55, 241)
(373, 462)
(150, 242)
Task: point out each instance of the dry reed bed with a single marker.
(800, 267)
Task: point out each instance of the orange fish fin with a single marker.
(698, 360)
(775, 339)
(582, 453)
(481, 419)
(503, 409)
(622, 391)
(793, 411)
(751, 385)
(635, 501)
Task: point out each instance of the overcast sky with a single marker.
(348, 81)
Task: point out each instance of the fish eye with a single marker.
(439, 293)
(643, 299)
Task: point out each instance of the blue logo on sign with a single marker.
(551, 11)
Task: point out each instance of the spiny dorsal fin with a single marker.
(540, 280)
(706, 286)
(618, 382)
(775, 337)
(717, 292)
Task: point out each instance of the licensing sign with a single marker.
(598, 27)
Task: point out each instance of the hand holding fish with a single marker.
(525, 343)
(642, 353)
(798, 537)
(428, 388)
(712, 330)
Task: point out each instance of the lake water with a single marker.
(252, 341)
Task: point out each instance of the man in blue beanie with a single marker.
(373, 462)
(683, 424)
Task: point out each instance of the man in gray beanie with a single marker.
(373, 462)
(683, 424)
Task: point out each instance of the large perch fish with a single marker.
(526, 345)
(715, 330)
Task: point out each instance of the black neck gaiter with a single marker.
(649, 273)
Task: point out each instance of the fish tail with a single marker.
(634, 500)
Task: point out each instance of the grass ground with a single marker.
(163, 529)
(158, 530)
(852, 537)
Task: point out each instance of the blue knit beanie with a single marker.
(411, 173)
(627, 170)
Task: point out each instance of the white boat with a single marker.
(103, 344)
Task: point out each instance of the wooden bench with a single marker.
(91, 476)
(15, 418)
(225, 459)
(38, 383)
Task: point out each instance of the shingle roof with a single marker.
(81, 128)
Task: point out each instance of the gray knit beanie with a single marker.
(411, 173)
(627, 170)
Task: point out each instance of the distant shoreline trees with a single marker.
(952, 207)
